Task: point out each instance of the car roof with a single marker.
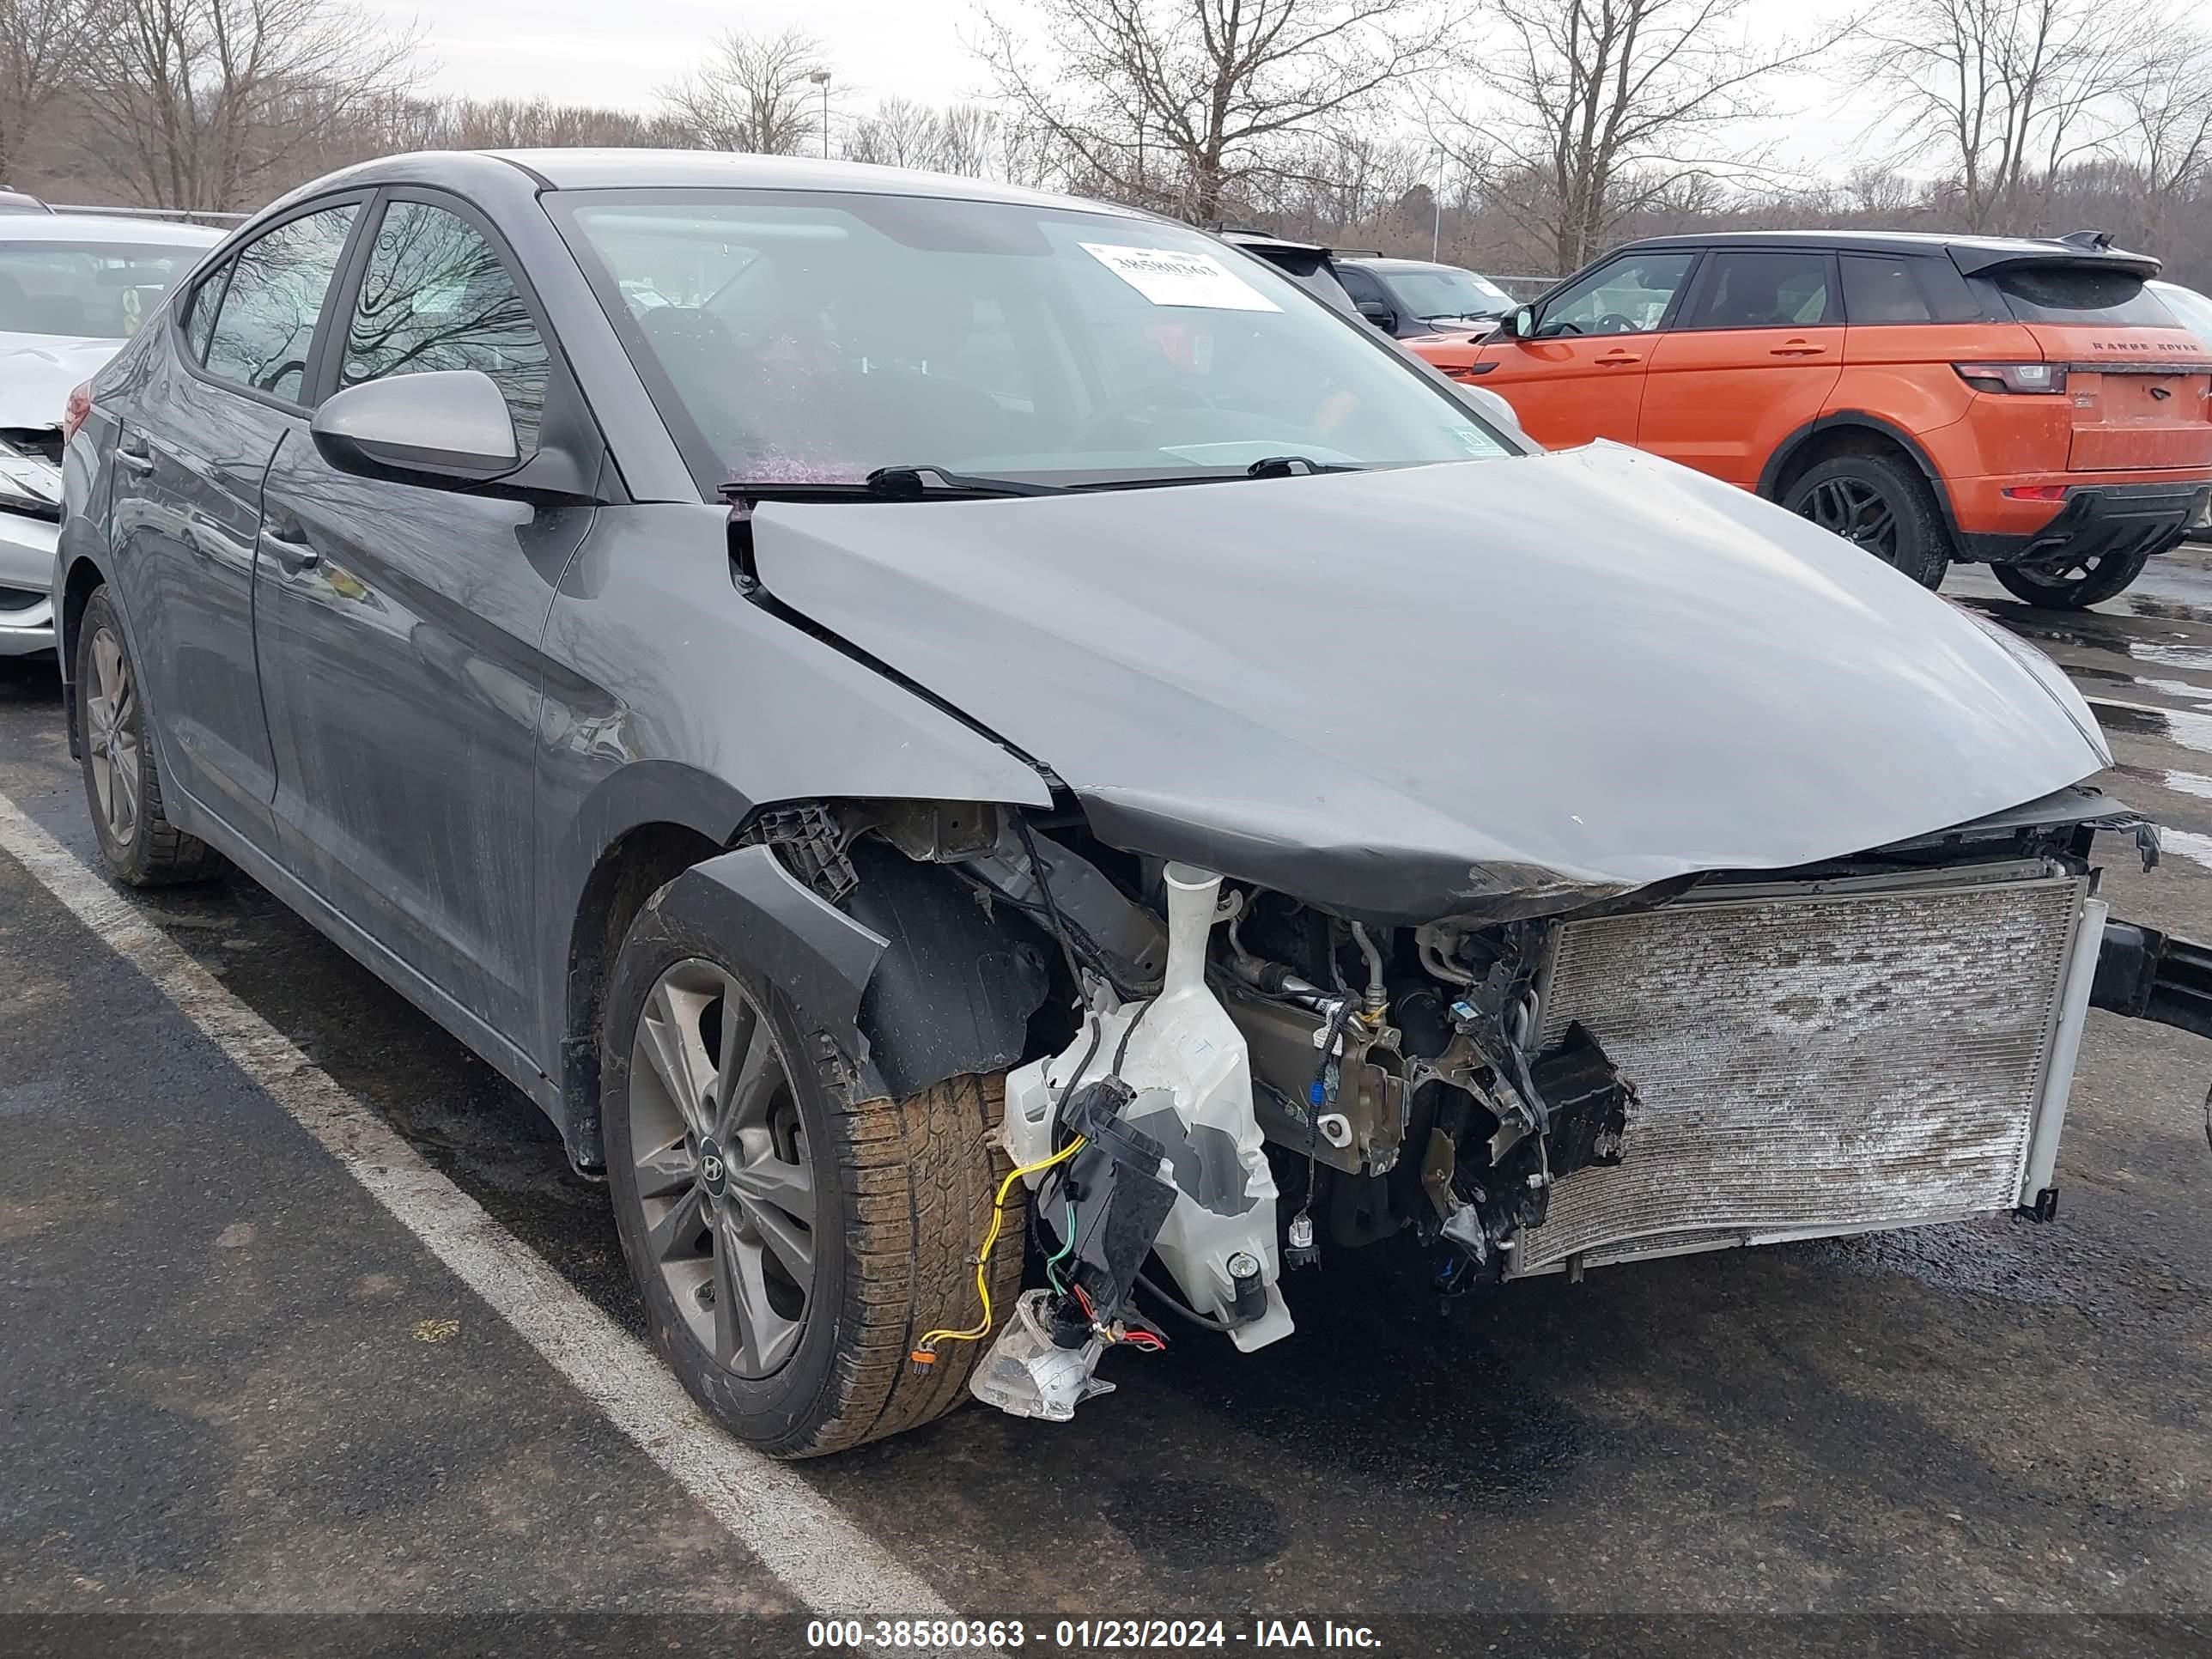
(1268, 238)
(699, 169)
(1986, 250)
(1390, 262)
(105, 228)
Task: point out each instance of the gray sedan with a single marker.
(930, 726)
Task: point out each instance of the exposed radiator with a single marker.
(1809, 1061)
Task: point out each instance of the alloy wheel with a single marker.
(1856, 511)
(111, 736)
(724, 1177)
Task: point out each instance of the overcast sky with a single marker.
(623, 51)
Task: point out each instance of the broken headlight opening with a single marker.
(30, 483)
(1229, 1084)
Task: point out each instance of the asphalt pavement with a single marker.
(238, 1375)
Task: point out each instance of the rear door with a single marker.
(398, 627)
(1750, 360)
(195, 442)
(2137, 380)
(1910, 317)
(1580, 375)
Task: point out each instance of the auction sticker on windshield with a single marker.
(1167, 278)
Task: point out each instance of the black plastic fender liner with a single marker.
(813, 953)
(955, 987)
(916, 984)
(2147, 975)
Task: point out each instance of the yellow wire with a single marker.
(982, 1328)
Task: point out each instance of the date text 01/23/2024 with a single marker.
(1092, 1634)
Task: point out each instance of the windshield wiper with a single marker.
(915, 484)
(1297, 466)
(887, 483)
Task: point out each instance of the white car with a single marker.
(73, 288)
(2193, 311)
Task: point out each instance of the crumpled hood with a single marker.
(38, 372)
(1406, 693)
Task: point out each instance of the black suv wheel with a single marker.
(1881, 505)
(2072, 584)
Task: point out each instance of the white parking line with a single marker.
(797, 1535)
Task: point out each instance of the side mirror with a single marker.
(446, 429)
(1379, 315)
(1519, 324)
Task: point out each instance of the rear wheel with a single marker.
(790, 1245)
(122, 783)
(1881, 505)
(2072, 584)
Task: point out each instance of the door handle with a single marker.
(1617, 359)
(135, 453)
(1797, 349)
(288, 544)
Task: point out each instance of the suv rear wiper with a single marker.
(894, 483)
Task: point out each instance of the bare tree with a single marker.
(2168, 124)
(757, 94)
(41, 50)
(1600, 108)
(539, 122)
(901, 133)
(203, 103)
(2003, 91)
(970, 140)
(1174, 103)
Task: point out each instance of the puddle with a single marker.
(2142, 604)
(2200, 695)
(2181, 783)
(2190, 731)
(2171, 656)
(2103, 676)
(2188, 844)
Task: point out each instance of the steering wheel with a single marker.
(1613, 323)
(1159, 394)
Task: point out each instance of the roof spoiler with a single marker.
(2083, 249)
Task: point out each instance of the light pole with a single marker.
(820, 78)
(1437, 202)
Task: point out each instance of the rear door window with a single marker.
(264, 324)
(2077, 294)
(1880, 290)
(1765, 290)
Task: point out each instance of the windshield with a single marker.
(817, 336)
(1433, 291)
(86, 290)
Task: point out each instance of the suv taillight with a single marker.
(74, 411)
(2012, 377)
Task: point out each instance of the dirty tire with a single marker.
(141, 846)
(1882, 504)
(2073, 585)
(903, 1196)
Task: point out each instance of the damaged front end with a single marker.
(1229, 1082)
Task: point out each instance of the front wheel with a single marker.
(790, 1245)
(2071, 584)
(1881, 506)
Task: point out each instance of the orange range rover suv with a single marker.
(2025, 403)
